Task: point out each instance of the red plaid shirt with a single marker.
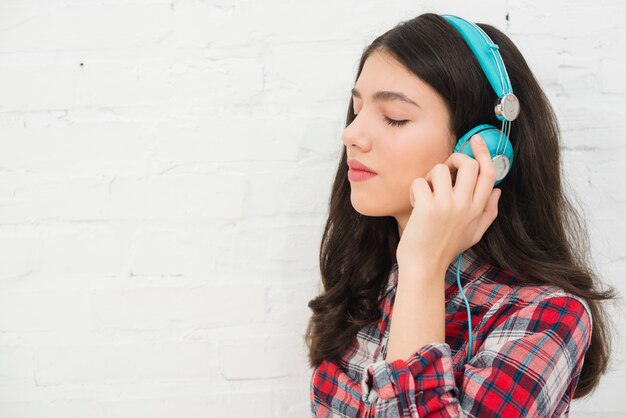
(528, 346)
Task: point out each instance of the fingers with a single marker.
(466, 171)
(440, 179)
(419, 190)
(466, 175)
(486, 173)
(474, 177)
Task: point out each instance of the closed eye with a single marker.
(392, 122)
(395, 122)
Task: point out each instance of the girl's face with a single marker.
(400, 151)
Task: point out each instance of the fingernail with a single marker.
(478, 139)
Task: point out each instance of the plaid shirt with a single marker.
(528, 346)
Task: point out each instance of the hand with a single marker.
(446, 220)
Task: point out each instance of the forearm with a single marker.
(418, 315)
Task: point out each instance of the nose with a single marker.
(355, 135)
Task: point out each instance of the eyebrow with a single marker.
(387, 96)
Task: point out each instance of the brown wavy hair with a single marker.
(538, 234)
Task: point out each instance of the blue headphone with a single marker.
(507, 106)
(506, 110)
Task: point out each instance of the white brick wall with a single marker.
(165, 168)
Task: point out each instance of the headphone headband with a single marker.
(486, 51)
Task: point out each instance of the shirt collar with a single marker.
(471, 269)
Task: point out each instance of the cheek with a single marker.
(408, 161)
(416, 158)
(412, 155)
(405, 166)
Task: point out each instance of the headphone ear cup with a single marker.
(503, 160)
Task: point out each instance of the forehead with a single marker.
(381, 61)
(381, 71)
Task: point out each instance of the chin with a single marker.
(366, 207)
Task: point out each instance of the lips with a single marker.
(357, 165)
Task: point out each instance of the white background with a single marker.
(165, 170)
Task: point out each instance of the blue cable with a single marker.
(469, 315)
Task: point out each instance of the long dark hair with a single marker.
(538, 234)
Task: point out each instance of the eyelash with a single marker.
(392, 122)
(395, 122)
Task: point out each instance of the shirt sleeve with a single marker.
(528, 365)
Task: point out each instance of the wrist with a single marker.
(422, 280)
(422, 272)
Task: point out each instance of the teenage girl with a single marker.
(454, 279)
